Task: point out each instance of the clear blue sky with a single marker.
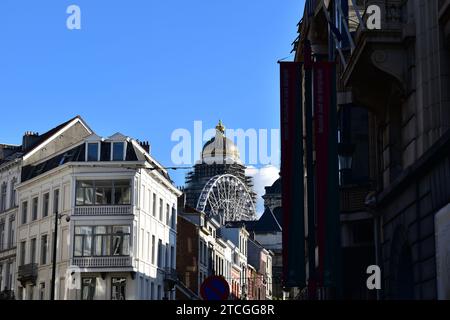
(143, 67)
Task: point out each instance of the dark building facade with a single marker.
(395, 80)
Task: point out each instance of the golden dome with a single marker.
(220, 148)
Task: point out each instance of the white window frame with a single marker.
(124, 150)
(87, 150)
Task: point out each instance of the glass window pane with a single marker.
(122, 195)
(108, 195)
(98, 246)
(126, 245)
(126, 195)
(117, 196)
(92, 152)
(100, 230)
(78, 246)
(118, 148)
(80, 197)
(99, 196)
(106, 245)
(83, 230)
(87, 248)
(88, 196)
(117, 245)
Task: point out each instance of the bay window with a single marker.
(102, 241)
(103, 192)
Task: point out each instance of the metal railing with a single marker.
(103, 210)
(352, 198)
(28, 272)
(170, 274)
(102, 262)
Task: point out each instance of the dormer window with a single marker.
(118, 151)
(93, 151)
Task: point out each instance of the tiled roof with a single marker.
(270, 221)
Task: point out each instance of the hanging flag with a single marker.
(327, 191)
(292, 174)
(322, 93)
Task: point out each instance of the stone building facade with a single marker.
(400, 75)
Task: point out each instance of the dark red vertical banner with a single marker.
(322, 99)
(292, 174)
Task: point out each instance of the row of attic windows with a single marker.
(114, 151)
(89, 151)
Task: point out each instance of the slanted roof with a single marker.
(75, 154)
(43, 137)
(270, 221)
(278, 213)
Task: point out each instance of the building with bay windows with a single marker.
(115, 208)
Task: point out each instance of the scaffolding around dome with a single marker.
(218, 184)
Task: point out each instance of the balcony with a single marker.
(103, 262)
(170, 274)
(28, 273)
(380, 54)
(170, 278)
(352, 198)
(6, 253)
(118, 210)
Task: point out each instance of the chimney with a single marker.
(145, 145)
(29, 140)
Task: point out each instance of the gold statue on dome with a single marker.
(220, 127)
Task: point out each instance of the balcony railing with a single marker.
(117, 210)
(28, 273)
(352, 198)
(170, 274)
(102, 262)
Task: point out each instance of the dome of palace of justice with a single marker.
(220, 149)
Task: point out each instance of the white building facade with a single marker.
(9, 178)
(236, 234)
(116, 214)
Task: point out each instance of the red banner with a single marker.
(322, 98)
(292, 174)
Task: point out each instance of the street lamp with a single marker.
(345, 155)
(55, 240)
